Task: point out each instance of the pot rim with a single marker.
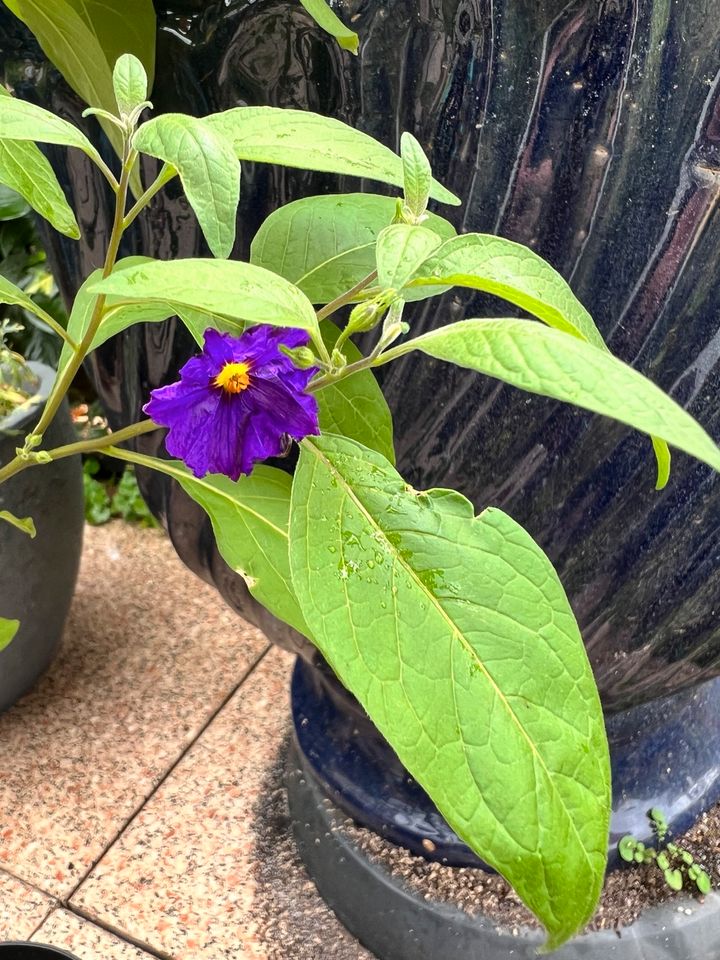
(21, 418)
(46, 947)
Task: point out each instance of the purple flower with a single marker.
(236, 403)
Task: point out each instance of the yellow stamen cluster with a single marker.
(233, 378)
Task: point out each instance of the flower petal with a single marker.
(293, 412)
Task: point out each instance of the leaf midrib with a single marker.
(458, 633)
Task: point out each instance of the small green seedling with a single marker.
(672, 860)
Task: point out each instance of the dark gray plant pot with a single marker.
(33, 951)
(37, 577)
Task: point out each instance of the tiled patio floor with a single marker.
(133, 779)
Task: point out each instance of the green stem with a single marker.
(165, 176)
(377, 358)
(63, 382)
(106, 171)
(80, 446)
(56, 328)
(345, 298)
(104, 442)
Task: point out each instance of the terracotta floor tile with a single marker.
(183, 878)
(150, 653)
(22, 908)
(69, 932)
(179, 877)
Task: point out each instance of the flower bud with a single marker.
(302, 357)
(364, 317)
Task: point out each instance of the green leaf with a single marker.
(208, 168)
(11, 294)
(355, 407)
(120, 314)
(513, 272)
(24, 524)
(298, 138)
(662, 860)
(673, 878)
(401, 248)
(28, 172)
(325, 245)
(664, 462)
(130, 84)
(330, 23)
(8, 629)
(230, 288)
(24, 121)
(456, 636)
(546, 361)
(82, 309)
(84, 38)
(417, 175)
(12, 204)
(703, 882)
(250, 521)
(627, 847)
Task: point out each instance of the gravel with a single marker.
(296, 923)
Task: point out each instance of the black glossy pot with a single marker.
(589, 130)
(37, 577)
(33, 951)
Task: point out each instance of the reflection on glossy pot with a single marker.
(589, 130)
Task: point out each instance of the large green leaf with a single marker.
(8, 629)
(27, 171)
(298, 138)
(332, 24)
(325, 245)
(546, 361)
(250, 521)
(120, 314)
(230, 288)
(208, 168)
(401, 248)
(23, 121)
(457, 638)
(513, 272)
(84, 38)
(355, 407)
(82, 308)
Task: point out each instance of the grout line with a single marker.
(120, 934)
(171, 769)
(32, 886)
(50, 910)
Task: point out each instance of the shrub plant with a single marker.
(451, 629)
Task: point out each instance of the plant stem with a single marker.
(102, 443)
(165, 175)
(81, 446)
(63, 382)
(56, 328)
(345, 298)
(375, 359)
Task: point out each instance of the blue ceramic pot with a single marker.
(589, 130)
